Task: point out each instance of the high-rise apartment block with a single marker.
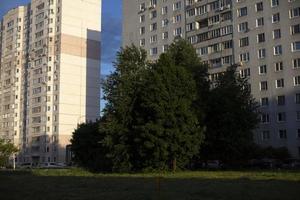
(49, 75)
(262, 37)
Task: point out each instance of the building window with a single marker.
(298, 134)
(297, 98)
(165, 35)
(276, 34)
(227, 44)
(266, 135)
(274, 3)
(278, 66)
(295, 29)
(177, 19)
(298, 115)
(260, 22)
(281, 117)
(177, 32)
(164, 10)
(202, 51)
(264, 118)
(245, 73)
(244, 42)
(153, 39)
(191, 26)
(142, 42)
(153, 14)
(259, 6)
(142, 30)
(263, 69)
(282, 134)
(243, 27)
(153, 51)
(297, 81)
(295, 12)
(142, 18)
(242, 12)
(264, 101)
(275, 18)
(261, 38)
(165, 48)
(281, 100)
(244, 57)
(142, 7)
(261, 53)
(165, 22)
(296, 63)
(295, 46)
(153, 3)
(177, 6)
(263, 85)
(153, 27)
(280, 83)
(277, 50)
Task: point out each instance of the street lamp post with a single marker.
(14, 161)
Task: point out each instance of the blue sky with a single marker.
(111, 28)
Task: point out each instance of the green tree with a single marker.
(231, 118)
(184, 54)
(87, 148)
(150, 120)
(166, 130)
(120, 92)
(6, 150)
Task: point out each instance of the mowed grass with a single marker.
(77, 184)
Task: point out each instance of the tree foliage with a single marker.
(167, 131)
(87, 148)
(6, 150)
(150, 121)
(120, 92)
(231, 118)
(184, 54)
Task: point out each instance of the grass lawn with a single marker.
(77, 184)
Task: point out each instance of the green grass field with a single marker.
(77, 184)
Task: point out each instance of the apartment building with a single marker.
(262, 37)
(50, 75)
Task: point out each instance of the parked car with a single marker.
(52, 165)
(291, 164)
(25, 166)
(212, 164)
(265, 163)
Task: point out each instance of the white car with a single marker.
(25, 166)
(51, 165)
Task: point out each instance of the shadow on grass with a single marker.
(27, 186)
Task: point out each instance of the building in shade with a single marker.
(262, 37)
(49, 75)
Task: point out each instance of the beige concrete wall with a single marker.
(79, 88)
